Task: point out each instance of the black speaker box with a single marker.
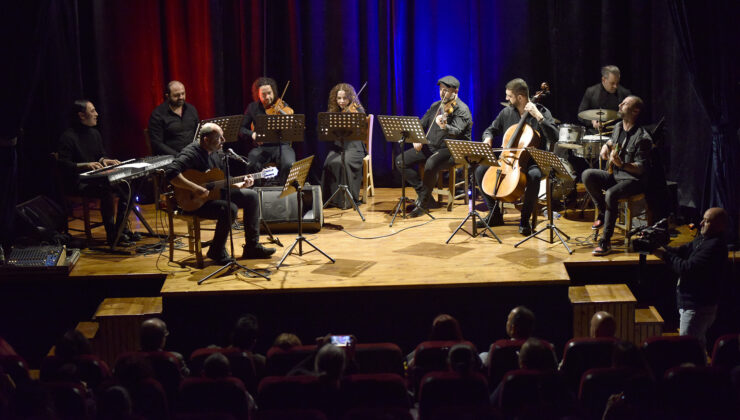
(281, 214)
(39, 219)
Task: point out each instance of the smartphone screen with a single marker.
(341, 340)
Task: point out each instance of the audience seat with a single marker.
(583, 353)
(663, 353)
(430, 356)
(281, 361)
(598, 384)
(503, 356)
(90, 369)
(222, 395)
(726, 353)
(379, 358)
(149, 399)
(242, 365)
(291, 392)
(451, 389)
(71, 400)
(376, 390)
(375, 413)
(534, 394)
(697, 392)
(15, 367)
(167, 370)
(296, 414)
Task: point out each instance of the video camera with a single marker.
(649, 238)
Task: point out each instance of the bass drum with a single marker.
(570, 133)
(562, 185)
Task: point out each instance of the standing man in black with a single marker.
(173, 123)
(264, 93)
(205, 155)
(541, 121)
(605, 95)
(81, 150)
(627, 152)
(448, 118)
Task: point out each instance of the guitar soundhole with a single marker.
(209, 185)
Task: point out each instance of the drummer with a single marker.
(606, 95)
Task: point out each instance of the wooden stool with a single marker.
(617, 299)
(648, 323)
(195, 245)
(628, 203)
(449, 190)
(119, 320)
(368, 185)
(86, 204)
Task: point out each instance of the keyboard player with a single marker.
(81, 150)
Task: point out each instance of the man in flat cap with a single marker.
(448, 118)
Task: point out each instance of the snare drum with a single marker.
(570, 133)
(592, 146)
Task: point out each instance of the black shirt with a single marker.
(250, 116)
(510, 116)
(596, 97)
(193, 157)
(701, 266)
(459, 125)
(634, 147)
(168, 132)
(79, 144)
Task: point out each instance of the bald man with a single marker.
(173, 123)
(701, 267)
(603, 324)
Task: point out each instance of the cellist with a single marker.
(266, 101)
(541, 121)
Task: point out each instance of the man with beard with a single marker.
(173, 123)
(627, 153)
(264, 93)
(540, 119)
(448, 118)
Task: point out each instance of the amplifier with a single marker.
(281, 214)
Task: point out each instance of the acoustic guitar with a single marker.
(213, 180)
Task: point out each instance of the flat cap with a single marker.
(450, 81)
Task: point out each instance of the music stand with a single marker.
(473, 153)
(279, 128)
(402, 129)
(229, 124)
(231, 264)
(548, 163)
(343, 127)
(294, 183)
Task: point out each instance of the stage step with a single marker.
(88, 328)
(648, 323)
(617, 299)
(119, 320)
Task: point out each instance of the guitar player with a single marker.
(205, 155)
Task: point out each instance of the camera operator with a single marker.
(700, 266)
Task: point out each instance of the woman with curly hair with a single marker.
(343, 98)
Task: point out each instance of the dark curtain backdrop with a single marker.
(121, 55)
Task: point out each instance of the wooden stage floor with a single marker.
(372, 255)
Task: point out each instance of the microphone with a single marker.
(233, 154)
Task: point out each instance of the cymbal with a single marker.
(598, 114)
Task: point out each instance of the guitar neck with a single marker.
(237, 179)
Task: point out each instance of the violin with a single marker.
(355, 105)
(444, 109)
(508, 181)
(279, 107)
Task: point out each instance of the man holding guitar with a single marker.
(627, 154)
(199, 191)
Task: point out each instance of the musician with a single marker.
(264, 93)
(605, 95)
(205, 155)
(448, 118)
(173, 123)
(540, 119)
(629, 165)
(342, 98)
(80, 150)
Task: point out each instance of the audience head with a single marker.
(536, 354)
(520, 323)
(72, 344)
(603, 324)
(445, 328)
(216, 366)
(714, 223)
(245, 332)
(286, 341)
(463, 359)
(153, 334)
(330, 363)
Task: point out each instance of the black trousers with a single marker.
(433, 163)
(107, 196)
(531, 191)
(282, 154)
(596, 180)
(243, 198)
(331, 177)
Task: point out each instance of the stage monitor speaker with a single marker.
(281, 214)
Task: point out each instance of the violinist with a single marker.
(448, 118)
(627, 154)
(541, 121)
(342, 98)
(264, 93)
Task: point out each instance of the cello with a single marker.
(508, 181)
